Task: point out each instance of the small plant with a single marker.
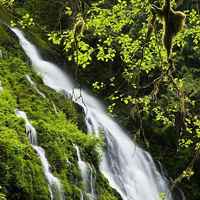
(162, 196)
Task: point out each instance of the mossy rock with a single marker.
(55, 118)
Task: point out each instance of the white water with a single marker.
(1, 54)
(129, 169)
(81, 196)
(1, 87)
(87, 175)
(34, 86)
(55, 188)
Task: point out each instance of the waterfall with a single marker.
(87, 176)
(1, 87)
(128, 168)
(34, 86)
(55, 187)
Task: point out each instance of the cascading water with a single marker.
(1, 54)
(129, 169)
(87, 175)
(55, 187)
(1, 87)
(92, 183)
(34, 86)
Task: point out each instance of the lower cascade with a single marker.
(87, 176)
(129, 169)
(1, 88)
(55, 187)
(34, 86)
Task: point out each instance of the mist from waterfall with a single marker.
(129, 169)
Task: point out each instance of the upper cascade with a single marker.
(129, 169)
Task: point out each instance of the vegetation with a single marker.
(105, 44)
(55, 119)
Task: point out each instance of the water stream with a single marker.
(129, 169)
(1, 87)
(87, 176)
(34, 86)
(55, 187)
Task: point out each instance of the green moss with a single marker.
(2, 195)
(4, 39)
(104, 191)
(55, 119)
(5, 15)
(20, 170)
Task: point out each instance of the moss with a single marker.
(2, 195)
(104, 191)
(4, 39)
(20, 170)
(55, 119)
(5, 15)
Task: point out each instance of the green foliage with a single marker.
(56, 11)
(57, 139)
(162, 196)
(2, 196)
(83, 57)
(26, 21)
(55, 119)
(107, 196)
(107, 41)
(20, 169)
(157, 103)
(7, 3)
